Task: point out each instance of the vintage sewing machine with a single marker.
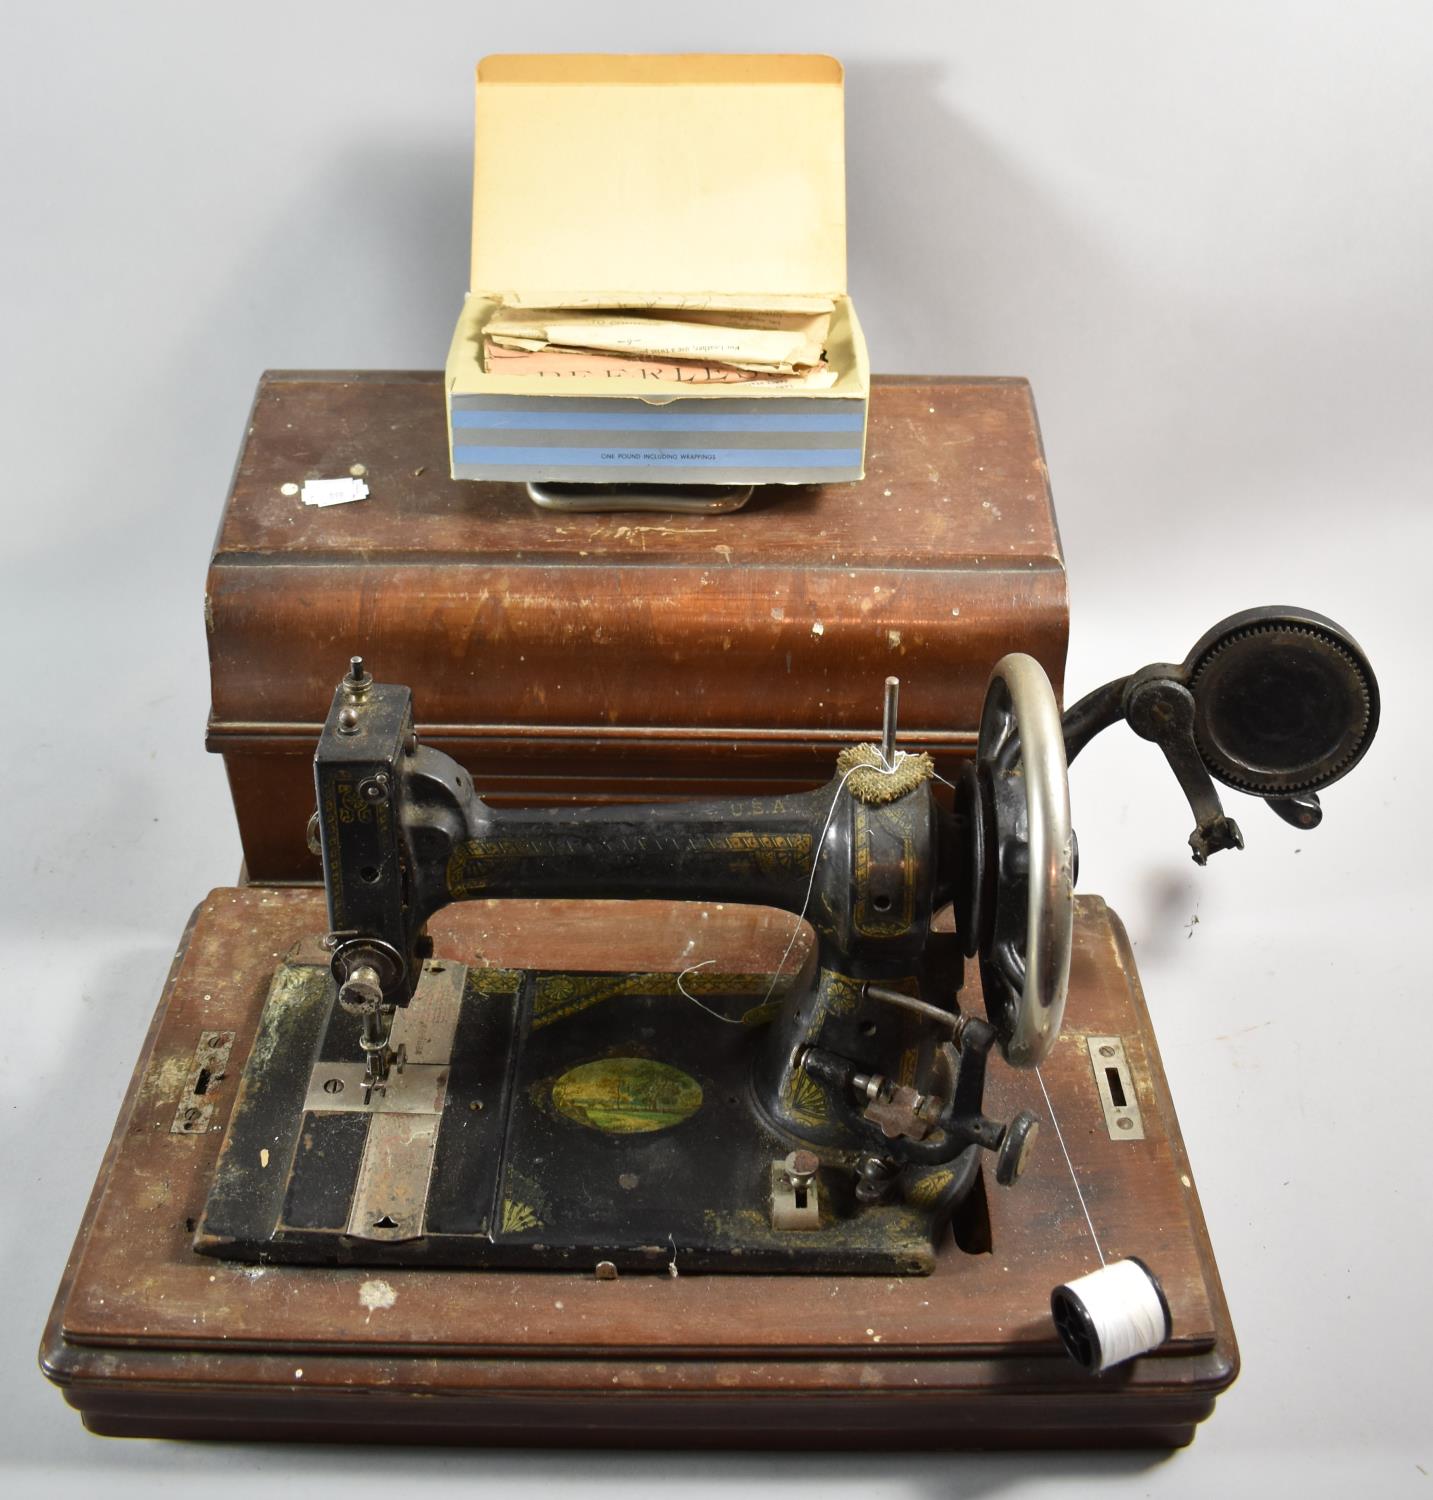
(399, 1109)
(424, 1141)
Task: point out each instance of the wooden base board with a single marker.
(149, 1339)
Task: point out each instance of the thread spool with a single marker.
(1111, 1315)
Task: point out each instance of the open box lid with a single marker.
(601, 177)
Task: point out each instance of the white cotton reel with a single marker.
(1111, 1315)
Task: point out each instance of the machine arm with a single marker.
(403, 834)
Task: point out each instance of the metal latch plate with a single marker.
(211, 1057)
(1115, 1084)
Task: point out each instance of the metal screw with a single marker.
(348, 721)
(875, 1179)
(1107, 1050)
(606, 1271)
(1125, 1123)
(333, 1086)
(800, 1167)
(375, 789)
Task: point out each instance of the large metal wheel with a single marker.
(1025, 951)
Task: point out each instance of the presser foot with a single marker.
(379, 1066)
(362, 993)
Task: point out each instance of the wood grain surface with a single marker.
(565, 657)
(146, 1336)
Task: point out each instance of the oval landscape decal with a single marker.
(627, 1095)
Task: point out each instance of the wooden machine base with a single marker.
(149, 1339)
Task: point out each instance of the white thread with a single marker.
(1060, 1136)
(883, 769)
(1125, 1310)
(1122, 1298)
(730, 1020)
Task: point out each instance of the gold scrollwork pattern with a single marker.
(351, 808)
(523, 1204)
(483, 864)
(894, 822)
(495, 981)
(926, 1191)
(837, 995)
(804, 1099)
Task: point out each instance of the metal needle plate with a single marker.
(391, 1194)
(337, 1088)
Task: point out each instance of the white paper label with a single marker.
(333, 491)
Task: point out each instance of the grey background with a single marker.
(1205, 232)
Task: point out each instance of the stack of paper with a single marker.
(681, 345)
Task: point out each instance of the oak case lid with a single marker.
(942, 559)
(619, 656)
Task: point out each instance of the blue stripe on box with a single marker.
(656, 421)
(725, 458)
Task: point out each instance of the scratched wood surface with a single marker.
(139, 1310)
(563, 657)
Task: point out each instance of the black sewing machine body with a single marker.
(403, 1108)
(579, 1118)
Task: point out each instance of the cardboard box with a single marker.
(659, 182)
